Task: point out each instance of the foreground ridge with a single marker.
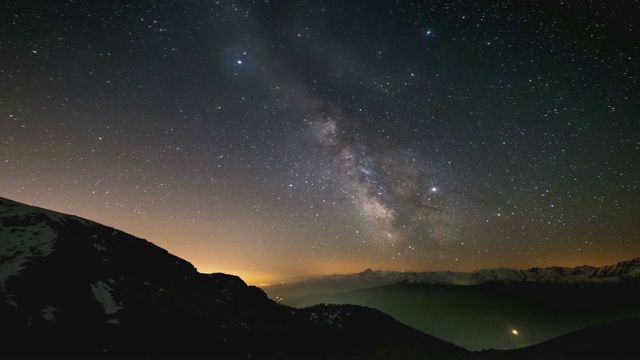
(70, 287)
(78, 288)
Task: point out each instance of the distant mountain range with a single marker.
(621, 271)
(477, 310)
(70, 287)
(585, 275)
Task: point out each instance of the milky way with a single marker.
(283, 139)
(390, 189)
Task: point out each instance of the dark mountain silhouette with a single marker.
(612, 340)
(70, 287)
(74, 288)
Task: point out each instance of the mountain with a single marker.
(479, 310)
(74, 288)
(610, 340)
(586, 274)
(483, 316)
(582, 275)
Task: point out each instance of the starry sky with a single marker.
(281, 139)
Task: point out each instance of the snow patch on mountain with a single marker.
(104, 295)
(48, 313)
(20, 244)
(27, 233)
(99, 247)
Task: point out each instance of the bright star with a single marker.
(514, 332)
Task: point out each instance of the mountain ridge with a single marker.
(584, 275)
(77, 288)
(613, 272)
(625, 269)
(71, 287)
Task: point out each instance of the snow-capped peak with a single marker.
(585, 273)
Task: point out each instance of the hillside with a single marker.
(70, 287)
(77, 288)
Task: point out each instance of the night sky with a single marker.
(281, 139)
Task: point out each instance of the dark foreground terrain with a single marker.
(70, 287)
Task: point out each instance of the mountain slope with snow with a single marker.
(74, 288)
(71, 287)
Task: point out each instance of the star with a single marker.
(209, 112)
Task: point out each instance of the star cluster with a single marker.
(276, 139)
